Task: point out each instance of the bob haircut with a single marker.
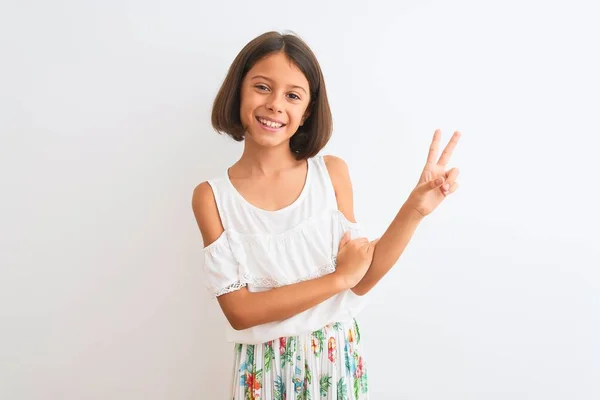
(314, 134)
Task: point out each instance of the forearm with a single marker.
(257, 308)
(389, 248)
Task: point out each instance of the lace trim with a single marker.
(272, 283)
(231, 288)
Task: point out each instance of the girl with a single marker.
(283, 253)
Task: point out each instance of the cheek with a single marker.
(247, 105)
(248, 96)
(298, 114)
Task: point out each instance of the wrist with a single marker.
(410, 213)
(338, 282)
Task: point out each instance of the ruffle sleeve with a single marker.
(222, 270)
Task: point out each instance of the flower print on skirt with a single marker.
(326, 364)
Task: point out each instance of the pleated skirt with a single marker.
(326, 364)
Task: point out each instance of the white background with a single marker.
(105, 131)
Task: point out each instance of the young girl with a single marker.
(283, 253)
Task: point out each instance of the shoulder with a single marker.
(206, 213)
(338, 171)
(335, 164)
(342, 184)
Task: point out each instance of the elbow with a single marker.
(238, 310)
(239, 325)
(240, 320)
(363, 287)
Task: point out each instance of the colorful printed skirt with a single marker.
(326, 364)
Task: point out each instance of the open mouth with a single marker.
(269, 124)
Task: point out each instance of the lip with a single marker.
(268, 128)
(272, 120)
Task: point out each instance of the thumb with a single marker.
(372, 246)
(345, 239)
(434, 183)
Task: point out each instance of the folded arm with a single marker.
(244, 309)
(391, 244)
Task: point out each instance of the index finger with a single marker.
(433, 148)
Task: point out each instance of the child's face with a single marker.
(274, 100)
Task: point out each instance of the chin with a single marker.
(268, 141)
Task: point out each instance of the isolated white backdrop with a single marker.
(105, 132)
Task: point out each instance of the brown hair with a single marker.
(316, 131)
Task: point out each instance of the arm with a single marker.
(244, 309)
(393, 242)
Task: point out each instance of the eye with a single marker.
(263, 88)
(294, 96)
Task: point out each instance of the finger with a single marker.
(452, 189)
(451, 177)
(361, 241)
(345, 239)
(434, 183)
(372, 246)
(433, 149)
(365, 245)
(447, 153)
(371, 243)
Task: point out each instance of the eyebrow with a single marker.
(270, 80)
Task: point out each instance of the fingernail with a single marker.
(439, 181)
(446, 186)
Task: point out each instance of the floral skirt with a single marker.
(326, 364)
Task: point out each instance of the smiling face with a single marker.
(274, 101)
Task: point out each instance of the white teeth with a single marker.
(269, 123)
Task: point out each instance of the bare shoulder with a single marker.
(342, 184)
(335, 164)
(206, 213)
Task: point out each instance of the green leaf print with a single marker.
(357, 332)
(279, 389)
(342, 390)
(320, 337)
(324, 384)
(250, 356)
(356, 387)
(291, 343)
(363, 383)
(347, 362)
(307, 373)
(338, 326)
(269, 357)
(290, 349)
(304, 395)
(286, 357)
(238, 348)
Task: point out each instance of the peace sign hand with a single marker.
(435, 182)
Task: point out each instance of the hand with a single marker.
(435, 182)
(354, 259)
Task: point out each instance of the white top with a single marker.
(264, 249)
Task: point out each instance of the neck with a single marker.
(266, 161)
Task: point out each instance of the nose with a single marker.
(275, 103)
